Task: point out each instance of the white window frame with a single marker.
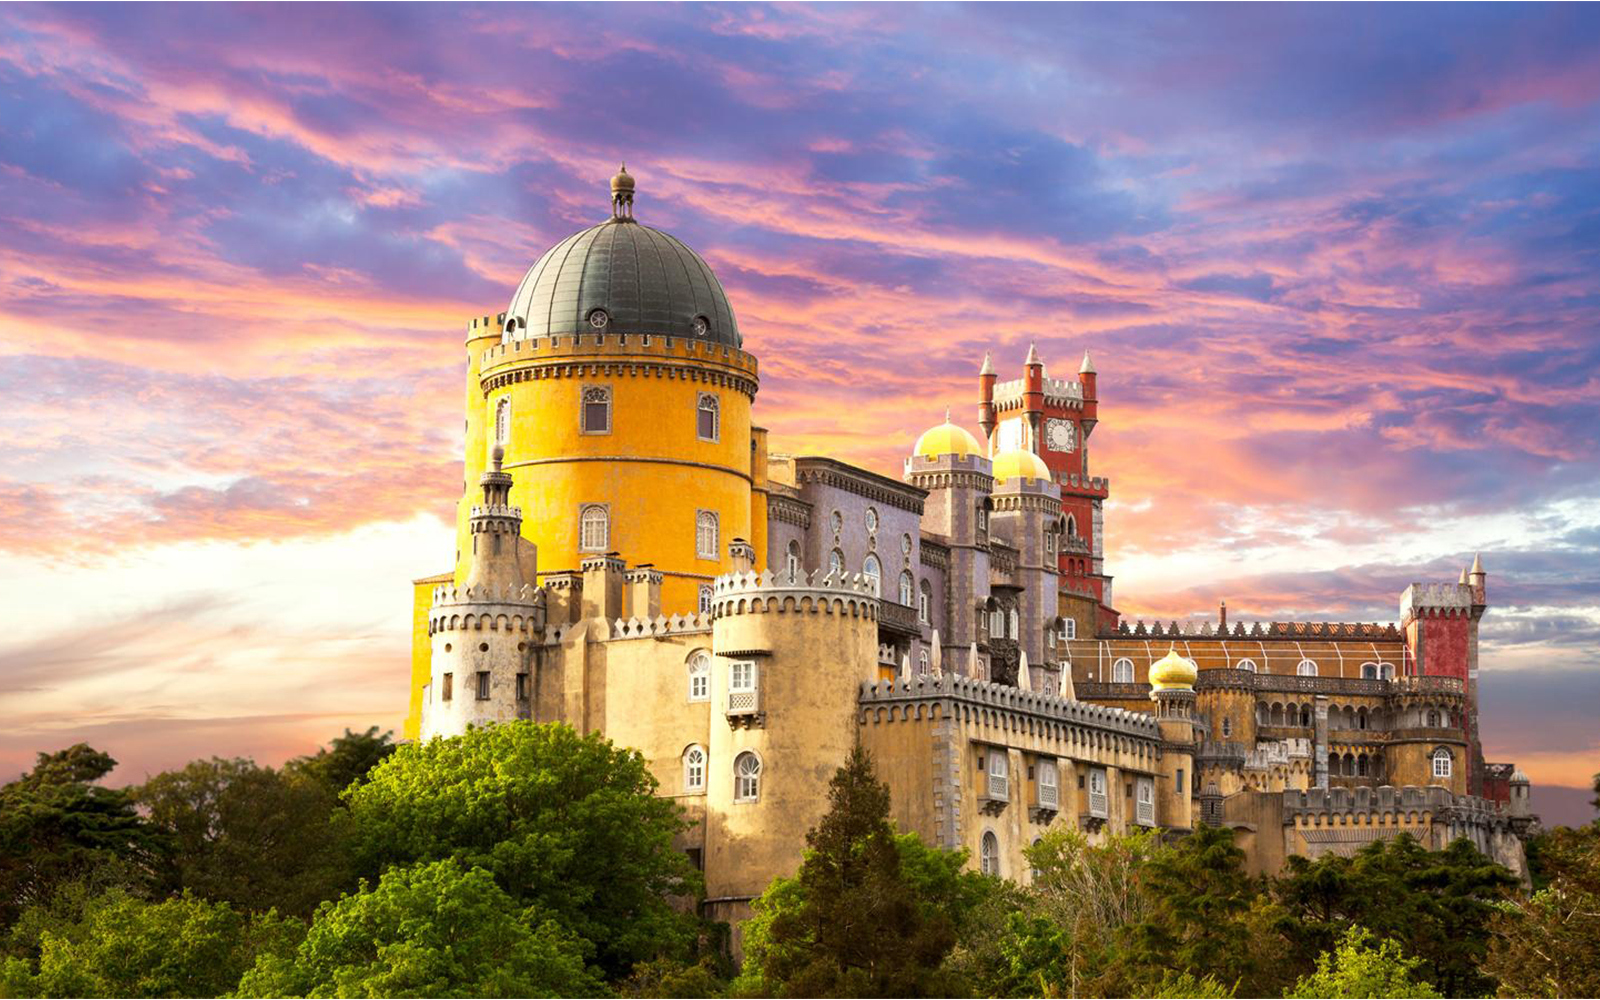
(989, 854)
(1069, 629)
(998, 784)
(707, 532)
(1014, 620)
(908, 588)
(700, 676)
(707, 595)
(743, 675)
(792, 556)
(1122, 671)
(1049, 784)
(871, 519)
(1246, 664)
(707, 402)
(872, 569)
(585, 544)
(1306, 668)
(1099, 799)
(997, 624)
(836, 563)
(747, 768)
(925, 602)
(1144, 801)
(694, 768)
(1444, 763)
(923, 663)
(595, 394)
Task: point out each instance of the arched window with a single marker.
(1249, 665)
(836, 564)
(989, 854)
(705, 534)
(707, 421)
(1305, 716)
(694, 769)
(925, 602)
(594, 528)
(746, 777)
(596, 415)
(1072, 526)
(1306, 668)
(1122, 671)
(793, 563)
(1361, 766)
(1443, 763)
(872, 569)
(1369, 671)
(1386, 671)
(922, 662)
(908, 588)
(1433, 719)
(706, 594)
(700, 676)
(1361, 718)
(1014, 622)
(502, 420)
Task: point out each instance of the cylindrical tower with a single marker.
(1172, 689)
(621, 396)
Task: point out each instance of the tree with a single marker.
(57, 826)
(347, 759)
(258, 838)
(567, 824)
(1360, 969)
(1544, 944)
(850, 923)
(116, 945)
(1437, 904)
(431, 930)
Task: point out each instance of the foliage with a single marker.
(112, 944)
(347, 759)
(567, 824)
(1177, 986)
(1436, 904)
(57, 826)
(1545, 945)
(249, 835)
(432, 930)
(850, 922)
(1360, 969)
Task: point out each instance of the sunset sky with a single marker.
(1339, 269)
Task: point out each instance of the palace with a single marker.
(631, 559)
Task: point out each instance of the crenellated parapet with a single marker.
(1436, 600)
(1059, 392)
(1260, 630)
(943, 472)
(1008, 699)
(1389, 804)
(522, 359)
(517, 609)
(812, 593)
(660, 627)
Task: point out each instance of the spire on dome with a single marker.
(1087, 368)
(622, 187)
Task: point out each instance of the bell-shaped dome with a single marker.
(1172, 671)
(623, 277)
(1019, 464)
(947, 439)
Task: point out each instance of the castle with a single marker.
(631, 559)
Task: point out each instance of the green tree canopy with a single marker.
(1359, 968)
(1545, 945)
(252, 836)
(567, 824)
(431, 930)
(58, 826)
(346, 759)
(850, 923)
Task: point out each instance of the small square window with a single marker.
(483, 685)
(446, 686)
(522, 687)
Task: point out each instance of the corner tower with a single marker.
(616, 385)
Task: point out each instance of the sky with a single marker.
(1339, 269)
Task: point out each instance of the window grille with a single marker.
(999, 780)
(1098, 800)
(694, 769)
(743, 688)
(594, 529)
(746, 777)
(922, 662)
(708, 417)
(597, 409)
(1049, 786)
(705, 534)
(1144, 801)
(1069, 628)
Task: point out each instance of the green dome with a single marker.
(643, 280)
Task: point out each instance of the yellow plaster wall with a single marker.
(421, 651)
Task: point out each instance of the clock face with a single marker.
(1059, 435)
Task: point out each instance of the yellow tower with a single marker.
(619, 391)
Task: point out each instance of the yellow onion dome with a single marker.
(1172, 671)
(1020, 465)
(947, 439)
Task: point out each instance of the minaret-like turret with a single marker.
(986, 402)
(1091, 401)
(495, 528)
(1033, 399)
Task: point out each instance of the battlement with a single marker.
(1028, 494)
(662, 625)
(740, 593)
(1262, 630)
(987, 694)
(1320, 804)
(948, 471)
(447, 595)
(1061, 392)
(486, 326)
(1081, 484)
(620, 347)
(1432, 600)
(497, 510)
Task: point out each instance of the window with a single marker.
(837, 520)
(445, 686)
(908, 588)
(925, 603)
(522, 687)
(793, 561)
(1013, 619)
(700, 677)
(502, 420)
(706, 592)
(1386, 671)
(1306, 668)
(989, 854)
(983, 519)
(742, 676)
(1049, 543)
(872, 520)
(999, 783)
(1144, 801)
(1178, 785)
(1433, 719)
(997, 624)
(694, 769)
(836, 564)
(1069, 629)
(1098, 803)
(922, 663)
(1122, 671)
(597, 409)
(1442, 761)
(1369, 671)
(483, 685)
(905, 543)
(1249, 665)
(707, 420)
(746, 777)
(1227, 728)
(1049, 785)
(872, 569)
(594, 528)
(705, 534)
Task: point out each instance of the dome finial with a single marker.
(622, 194)
(947, 414)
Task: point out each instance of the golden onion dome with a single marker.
(947, 439)
(1020, 465)
(1172, 671)
(622, 180)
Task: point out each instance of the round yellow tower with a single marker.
(618, 389)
